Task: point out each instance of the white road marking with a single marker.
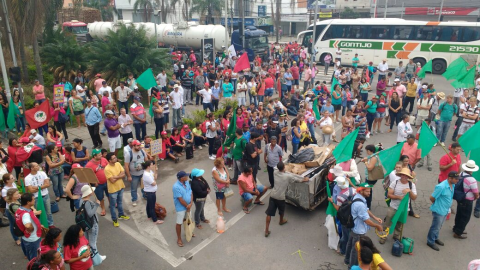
(210, 211)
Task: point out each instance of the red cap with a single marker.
(136, 142)
(24, 140)
(76, 165)
(207, 84)
(163, 133)
(185, 126)
(98, 75)
(58, 144)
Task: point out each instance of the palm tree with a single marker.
(184, 4)
(64, 57)
(106, 10)
(147, 6)
(126, 50)
(208, 9)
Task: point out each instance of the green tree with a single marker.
(63, 58)
(208, 9)
(126, 50)
(349, 13)
(106, 10)
(147, 6)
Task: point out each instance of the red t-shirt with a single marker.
(269, 82)
(445, 160)
(75, 252)
(99, 169)
(295, 73)
(165, 144)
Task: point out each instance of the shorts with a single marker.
(100, 190)
(379, 115)
(464, 127)
(220, 195)
(269, 92)
(181, 216)
(77, 113)
(166, 118)
(273, 205)
(295, 82)
(337, 107)
(247, 196)
(114, 143)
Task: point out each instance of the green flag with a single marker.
(146, 79)
(2, 121)
(425, 68)
(401, 214)
(467, 79)
(150, 110)
(41, 207)
(318, 116)
(230, 136)
(334, 82)
(469, 140)
(330, 209)
(427, 139)
(455, 68)
(344, 149)
(475, 156)
(11, 115)
(389, 157)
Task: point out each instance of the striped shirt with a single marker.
(469, 186)
(470, 111)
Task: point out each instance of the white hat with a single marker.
(109, 112)
(175, 86)
(87, 190)
(181, 66)
(341, 182)
(337, 171)
(396, 80)
(33, 131)
(470, 166)
(424, 86)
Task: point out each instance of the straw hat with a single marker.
(470, 166)
(441, 95)
(337, 170)
(406, 172)
(327, 130)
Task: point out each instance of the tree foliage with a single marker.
(208, 9)
(126, 50)
(349, 13)
(106, 10)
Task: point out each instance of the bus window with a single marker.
(354, 32)
(403, 32)
(424, 32)
(307, 40)
(450, 33)
(319, 31)
(379, 32)
(470, 34)
(335, 31)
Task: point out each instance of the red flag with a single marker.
(39, 116)
(24, 152)
(242, 63)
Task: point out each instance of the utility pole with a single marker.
(242, 13)
(441, 9)
(403, 10)
(386, 8)
(375, 8)
(4, 68)
(314, 53)
(226, 24)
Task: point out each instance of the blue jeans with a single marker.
(124, 105)
(57, 183)
(43, 129)
(344, 240)
(364, 96)
(66, 168)
(477, 207)
(311, 129)
(76, 203)
(370, 118)
(442, 129)
(252, 99)
(437, 223)
(140, 127)
(30, 248)
(295, 148)
(260, 98)
(11, 219)
(177, 118)
(151, 200)
(116, 198)
(134, 186)
(291, 110)
(92, 235)
(46, 203)
(208, 106)
(20, 123)
(199, 213)
(101, 191)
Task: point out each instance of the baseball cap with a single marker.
(96, 151)
(181, 174)
(216, 82)
(185, 126)
(206, 84)
(410, 136)
(136, 142)
(104, 82)
(76, 165)
(98, 75)
(453, 174)
(108, 112)
(275, 122)
(33, 131)
(58, 144)
(396, 80)
(24, 140)
(163, 133)
(175, 86)
(137, 98)
(130, 140)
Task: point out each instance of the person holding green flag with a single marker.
(29, 224)
(396, 191)
(38, 180)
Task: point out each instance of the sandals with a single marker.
(227, 210)
(180, 244)
(284, 221)
(103, 213)
(267, 234)
(206, 221)
(199, 226)
(245, 210)
(259, 203)
(57, 199)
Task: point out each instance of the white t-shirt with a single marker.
(108, 89)
(33, 235)
(4, 192)
(398, 188)
(242, 86)
(123, 93)
(327, 122)
(162, 79)
(36, 181)
(206, 94)
(210, 133)
(424, 103)
(39, 139)
(148, 179)
(381, 67)
(80, 90)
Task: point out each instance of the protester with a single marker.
(76, 249)
(450, 162)
(446, 111)
(273, 155)
(55, 172)
(371, 161)
(80, 153)
(133, 167)
(74, 188)
(93, 119)
(10, 195)
(98, 164)
(377, 261)
(112, 126)
(200, 190)
(29, 224)
(125, 122)
(464, 207)
(91, 211)
(38, 180)
(183, 200)
(249, 188)
(115, 174)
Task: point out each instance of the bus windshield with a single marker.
(257, 42)
(77, 29)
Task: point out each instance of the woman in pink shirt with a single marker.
(39, 92)
(55, 110)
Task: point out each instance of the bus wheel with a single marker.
(439, 66)
(419, 60)
(322, 57)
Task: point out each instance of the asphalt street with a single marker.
(138, 244)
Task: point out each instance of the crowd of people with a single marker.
(272, 114)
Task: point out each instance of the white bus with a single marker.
(394, 39)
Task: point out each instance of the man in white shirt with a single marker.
(382, 69)
(404, 129)
(423, 109)
(177, 103)
(38, 139)
(123, 93)
(207, 97)
(104, 88)
(81, 91)
(38, 180)
(338, 54)
(162, 80)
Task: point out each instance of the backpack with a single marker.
(459, 193)
(203, 127)
(131, 155)
(36, 263)
(344, 213)
(83, 220)
(16, 229)
(63, 118)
